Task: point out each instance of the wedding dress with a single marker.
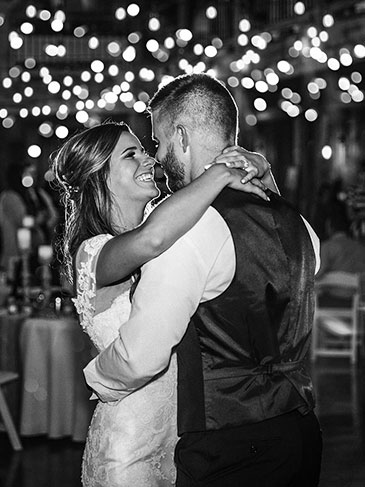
(130, 443)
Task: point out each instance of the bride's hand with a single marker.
(236, 178)
(252, 166)
(254, 163)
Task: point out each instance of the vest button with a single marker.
(253, 449)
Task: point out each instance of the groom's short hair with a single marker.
(200, 100)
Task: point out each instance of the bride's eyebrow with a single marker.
(130, 148)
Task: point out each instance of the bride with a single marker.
(106, 180)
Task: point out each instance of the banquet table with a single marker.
(55, 399)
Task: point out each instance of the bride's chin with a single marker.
(156, 192)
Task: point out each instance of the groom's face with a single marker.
(167, 156)
(173, 168)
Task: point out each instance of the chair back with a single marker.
(339, 279)
(335, 329)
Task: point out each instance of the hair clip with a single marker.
(70, 190)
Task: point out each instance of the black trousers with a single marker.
(281, 452)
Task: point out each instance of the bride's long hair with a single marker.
(81, 167)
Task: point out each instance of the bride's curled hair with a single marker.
(81, 168)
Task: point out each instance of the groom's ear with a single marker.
(183, 137)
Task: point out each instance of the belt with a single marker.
(266, 369)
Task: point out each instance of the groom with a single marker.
(235, 297)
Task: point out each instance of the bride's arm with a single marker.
(124, 253)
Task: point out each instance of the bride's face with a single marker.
(131, 174)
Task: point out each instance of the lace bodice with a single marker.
(92, 321)
(130, 443)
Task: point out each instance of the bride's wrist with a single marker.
(220, 174)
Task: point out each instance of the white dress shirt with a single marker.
(197, 268)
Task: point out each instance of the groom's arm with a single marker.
(169, 291)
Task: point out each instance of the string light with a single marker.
(27, 28)
(45, 15)
(100, 50)
(129, 54)
(244, 25)
(333, 64)
(30, 63)
(356, 77)
(134, 37)
(154, 25)
(211, 12)
(198, 49)
(260, 104)
(114, 48)
(97, 66)
(34, 151)
(46, 110)
(14, 72)
(326, 152)
(133, 10)
(272, 78)
(152, 45)
(28, 91)
(299, 8)
(139, 106)
(61, 132)
(359, 50)
(184, 35)
(36, 111)
(233, 81)
(31, 11)
(261, 86)
(328, 20)
(93, 42)
(251, 120)
(79, 31)
(169, 43)
(120, 13)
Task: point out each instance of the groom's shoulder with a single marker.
(208, 242)
(205, 239)
(211, 223)
(210, 232)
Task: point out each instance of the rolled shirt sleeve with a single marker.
(315, 242)
(198, 267)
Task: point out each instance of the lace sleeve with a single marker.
(86, 259)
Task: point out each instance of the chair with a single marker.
(5, 378)
(336, 318)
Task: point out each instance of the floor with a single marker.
(341, 406)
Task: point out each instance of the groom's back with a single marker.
(244, 350)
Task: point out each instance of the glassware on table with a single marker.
(4, 289)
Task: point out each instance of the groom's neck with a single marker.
(203, 155)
